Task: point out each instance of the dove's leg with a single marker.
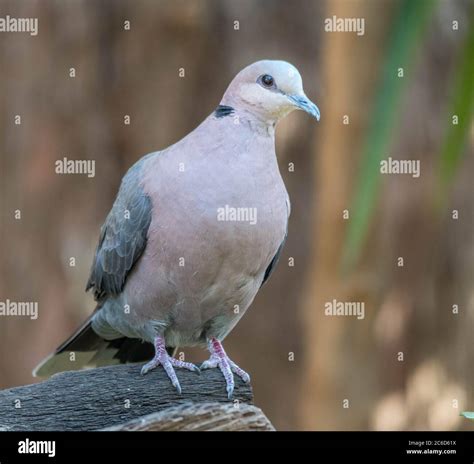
(228, 367)
(164, 359)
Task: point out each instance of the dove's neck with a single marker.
(248, 115)
(256, 122)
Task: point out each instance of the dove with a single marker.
(195, 231)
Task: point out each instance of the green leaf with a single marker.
(406, 34)
(462, 106)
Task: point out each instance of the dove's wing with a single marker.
(123, 237)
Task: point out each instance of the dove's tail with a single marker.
(85, 349)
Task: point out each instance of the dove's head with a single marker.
(269, 90)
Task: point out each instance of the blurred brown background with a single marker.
(303, 363)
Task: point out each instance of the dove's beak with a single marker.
(302, 102)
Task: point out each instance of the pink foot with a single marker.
(164, 359)
(228, 367)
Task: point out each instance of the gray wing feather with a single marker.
(123, 237)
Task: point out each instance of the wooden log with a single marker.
(107, 396)
(201, 417)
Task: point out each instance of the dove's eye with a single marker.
(267, 80)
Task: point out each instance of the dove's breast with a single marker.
(217, 224)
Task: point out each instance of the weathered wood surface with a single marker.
(100, 398)
(201, 417)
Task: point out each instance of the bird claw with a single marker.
(184, 365)
(228, 367)
(162, 358)
(149, 366)
(240, 372)
(211, 363)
